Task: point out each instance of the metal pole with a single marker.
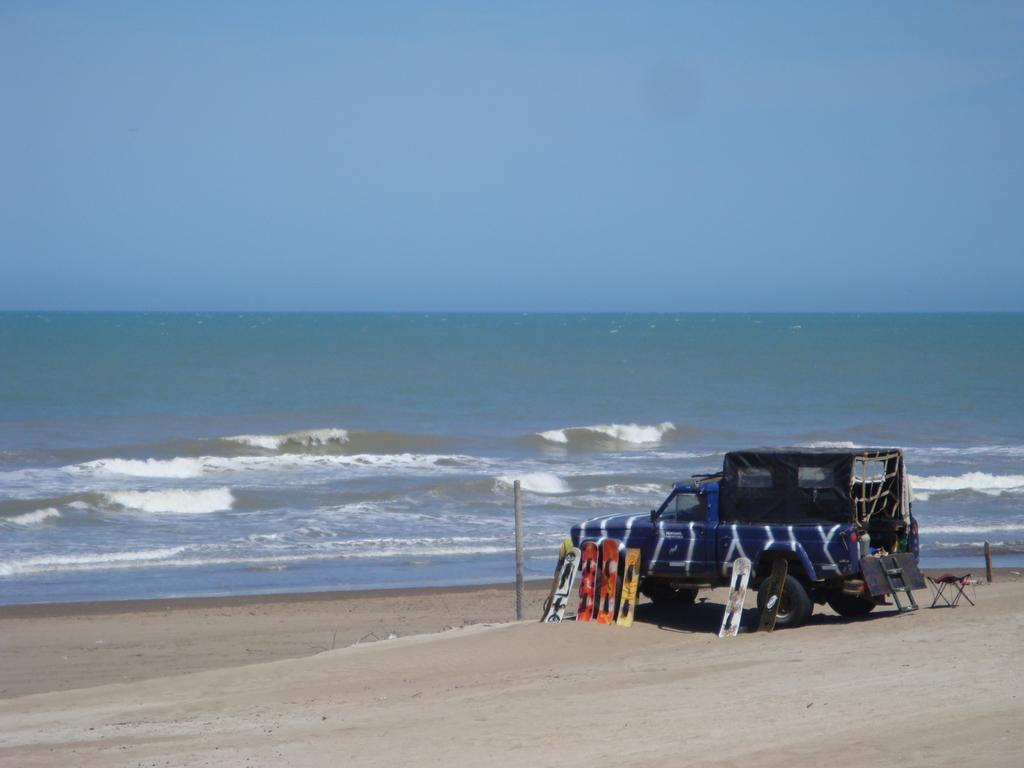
(519, 553)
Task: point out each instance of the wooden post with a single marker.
(519, 553)
(988, 562)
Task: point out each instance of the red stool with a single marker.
(947, 584)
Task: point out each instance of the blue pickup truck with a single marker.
(820, 509)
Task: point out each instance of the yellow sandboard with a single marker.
(566, 546)
(630, 585)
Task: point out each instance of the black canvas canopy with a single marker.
(805, 485)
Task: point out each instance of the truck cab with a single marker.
(685, 528)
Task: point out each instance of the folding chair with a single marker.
(948, 585)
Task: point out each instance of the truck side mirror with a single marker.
(654, 515)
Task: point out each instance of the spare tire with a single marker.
(850, 605)
(662, 595)
(796, 605)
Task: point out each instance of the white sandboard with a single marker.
(737, 594)
(566, 546)
(563, 586)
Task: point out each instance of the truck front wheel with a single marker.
(795, 607)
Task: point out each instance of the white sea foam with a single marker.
(175, 501)
(88, 561)
(342, 550)
(839, 444)
(614, 495)
(536, 482)
(636, 434)
(967, 528)
(671, 455)
(638, 497)
(34, 518)
(980, 482)
(388, 462)
(177, 468)
(643, 488)
(306, 438)
(946, 452)
(631, 492)
(187, 467)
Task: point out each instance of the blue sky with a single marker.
(516, 156)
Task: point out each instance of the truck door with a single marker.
(682, 535)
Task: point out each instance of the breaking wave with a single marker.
(176, 468)
(978, 482)
(331, 440)
(536, 482)
(306, 438)
(178, 501)
(598, 435)
(34, 518)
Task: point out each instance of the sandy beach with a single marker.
(253, 681)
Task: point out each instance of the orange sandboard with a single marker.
(588, 581)
(609, 581)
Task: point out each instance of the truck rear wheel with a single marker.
(796, 606)
(850, 605)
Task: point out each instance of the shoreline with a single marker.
(163, 604)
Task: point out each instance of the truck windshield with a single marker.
(685, 507)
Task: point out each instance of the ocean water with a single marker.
(148, 455)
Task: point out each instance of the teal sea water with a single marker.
(151, 454)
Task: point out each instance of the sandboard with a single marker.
(776, 583)
(565, 547)
(609, 581)
(588, 581)
(630, 584)
(562, 587)
(737, 593)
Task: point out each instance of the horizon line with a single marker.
(517, 312)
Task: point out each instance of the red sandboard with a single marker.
(588, 581)
(609, 581)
